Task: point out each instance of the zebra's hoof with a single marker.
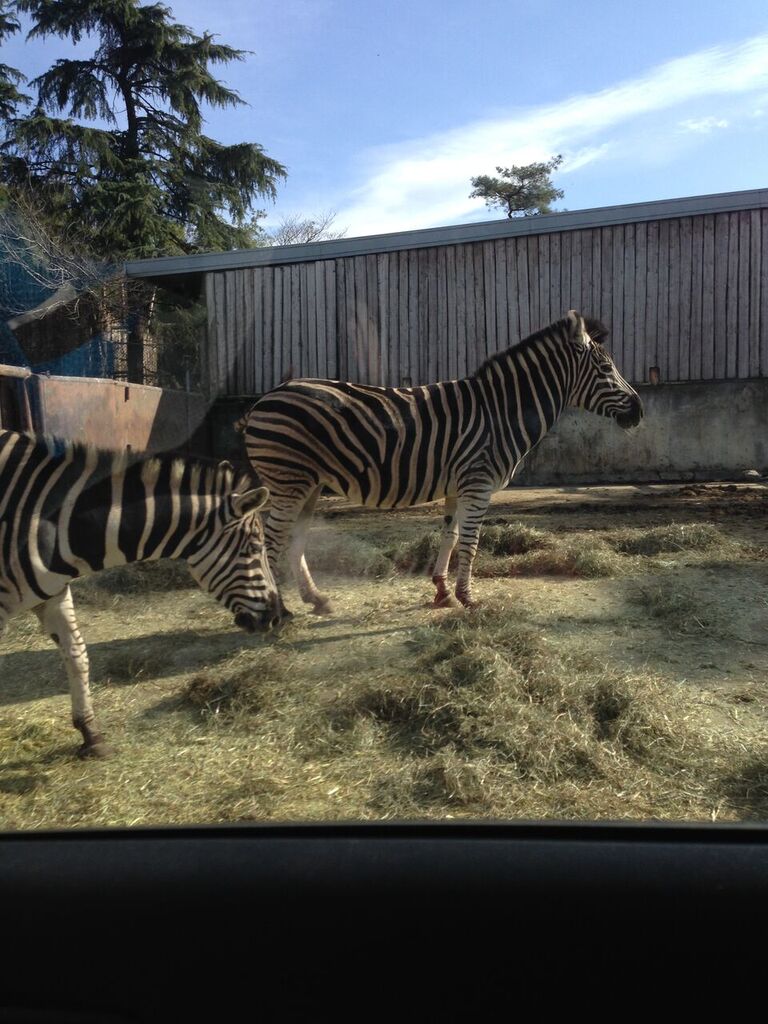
(445, 601)
(322, 607)
(95, 750)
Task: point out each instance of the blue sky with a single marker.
(382, 111)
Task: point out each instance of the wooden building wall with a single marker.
(686, 294)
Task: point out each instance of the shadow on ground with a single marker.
(747, 789)
(31, 675)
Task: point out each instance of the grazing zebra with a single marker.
(395, 447)
(68, 510)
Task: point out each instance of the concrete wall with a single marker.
(690, 431)
(701, 431)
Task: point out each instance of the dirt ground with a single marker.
(739, 589)
(177, 763)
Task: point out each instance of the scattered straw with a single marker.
(387, 710)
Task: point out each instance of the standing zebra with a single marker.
(68, 510)
(395, 447)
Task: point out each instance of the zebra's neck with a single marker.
(527, 387)
(159, 508)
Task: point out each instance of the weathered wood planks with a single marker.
(687, 294)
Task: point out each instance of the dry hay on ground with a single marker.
(616, 671)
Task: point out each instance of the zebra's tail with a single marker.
(241, 423)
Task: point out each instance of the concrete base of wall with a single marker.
(701, 431)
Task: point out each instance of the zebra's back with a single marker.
(380, 447)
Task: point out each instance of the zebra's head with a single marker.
(598, 385)
(231, 563)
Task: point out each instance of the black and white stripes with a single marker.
(395, 447)
(67, 510)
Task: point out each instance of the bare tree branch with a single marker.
(298, 230)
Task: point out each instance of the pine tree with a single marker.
(10, 78)
(115, 141)
(522, 191)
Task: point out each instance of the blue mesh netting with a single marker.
(20, 291)
(94, 359)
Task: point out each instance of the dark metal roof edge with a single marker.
(570, 220)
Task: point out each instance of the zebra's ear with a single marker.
(251, 501)
(595, 329)
(577, 332)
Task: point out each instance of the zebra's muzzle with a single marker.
(270, 618)
(632, 416)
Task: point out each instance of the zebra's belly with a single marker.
(372, 495)
(369, 494)
(405, 502)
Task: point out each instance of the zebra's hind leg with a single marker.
(288, 521)
(57, 617)
(443, 597)
(321, 605)
(470, 513)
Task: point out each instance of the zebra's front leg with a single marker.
(443, 597)
(470, 513)
(57, 617)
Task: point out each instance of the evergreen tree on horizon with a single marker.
(113, 146)
(523, 191)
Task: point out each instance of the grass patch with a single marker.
(588, 558)
(494, 719)
(519, 689)
(418, 556)
(120, 669)
(499, 538)
(241, 686)
(346, 554)
(496, 539)
(670, 538)
(679, 608)
(515, 549)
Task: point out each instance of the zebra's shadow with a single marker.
(337, 638)
(32, 675)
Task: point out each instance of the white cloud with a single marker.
(426, 182)
(703, 125)
(587, 155)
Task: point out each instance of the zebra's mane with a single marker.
(595, 329)
(215, 474)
